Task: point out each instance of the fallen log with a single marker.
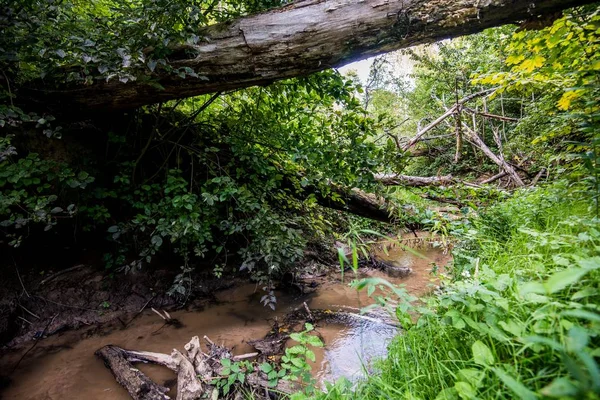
(138, 385)
(196, 371)
(416, 181)
(294, 40)
(354, 201)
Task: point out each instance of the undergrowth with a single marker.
(517, 317)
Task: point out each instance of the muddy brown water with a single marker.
(64, 366)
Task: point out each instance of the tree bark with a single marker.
(139, 386)
(407, 180)
(474, 137)
(354, 201)
(357, 202)
(295, 40)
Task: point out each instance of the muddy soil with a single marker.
(63, 365)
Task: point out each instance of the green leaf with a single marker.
(562, 279)
(482, 354)
(465, 391)
(226, 362)
(517, 387)
(266, 367)
(314, 341)
(583, 314)
(156, 241)
(560, 387)
(472, 376)
(298, 362)
(447, 394)
(577, 339)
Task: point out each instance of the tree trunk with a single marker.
(295, 40)
(357, 202)
(407, 180)
(354, 201)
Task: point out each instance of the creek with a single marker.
(63, 366)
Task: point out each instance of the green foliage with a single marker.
(519, 320)
(294, 365)
(231, 374)
(559, 66)
(295, 360)
(130, 40)
(29, 188)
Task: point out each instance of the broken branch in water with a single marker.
(196, 371)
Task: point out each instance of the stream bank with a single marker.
(64, 366)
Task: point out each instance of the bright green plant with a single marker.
(273, 375)
(295, 360)
(232, 373)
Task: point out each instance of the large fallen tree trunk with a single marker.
(296, 40)
(354, 201)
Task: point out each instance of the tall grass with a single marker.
(518, 317)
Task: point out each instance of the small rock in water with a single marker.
(398, 272)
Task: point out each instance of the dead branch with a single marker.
(475, 139)
(137, 384)
(538, 176)
(494, 178)
(406, 180)
(441, 118)
(492, 116)
(59, 273)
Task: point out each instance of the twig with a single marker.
(20, 280)
(59, 273)
(29, 312)
(208, 340)
(65, 305)
(310, 316)
(141, 310)
(24, 320)
(35, 344)
(494, 178)
(244, 356)
(159, 314)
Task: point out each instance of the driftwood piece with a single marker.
(189, 386)
(139, 386)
